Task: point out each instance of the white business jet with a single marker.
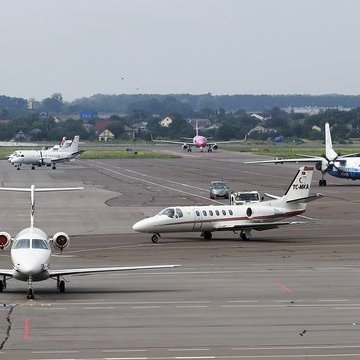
(31, 252)
(49, 157)
(259, 216)
(341, 166)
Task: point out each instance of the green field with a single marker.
(101, 153)
(260, 148)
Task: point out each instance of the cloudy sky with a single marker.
(85, 47)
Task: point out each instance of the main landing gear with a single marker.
(322, 182)
(245, 235)
(207, 235)
(3, 284)
(60, 284)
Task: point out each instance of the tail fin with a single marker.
(32, 191)
(74, 147)
(300, 187)
(197, 128)
(329, 151)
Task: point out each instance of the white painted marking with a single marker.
(191, 306)
(55, 352)
(98, 307)
(147, 307)
(124, 350)
(205, 349)
(295, 347)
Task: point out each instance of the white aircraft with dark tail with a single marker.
(31, 252)
(264, 215)
(340, 166)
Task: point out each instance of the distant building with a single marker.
(166, 122)
(106, 135)
(102, 124)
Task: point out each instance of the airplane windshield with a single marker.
(22, 244)
(39, 244)
(168, 212)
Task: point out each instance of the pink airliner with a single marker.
(200, 142)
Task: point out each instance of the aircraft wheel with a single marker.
(18, 168)
(62, 286)
(33, 167)
(54, 167)
(1, 286)
(30, 295)
(207, 235)
(155, 238)
(244, 236)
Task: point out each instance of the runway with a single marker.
(289, 293)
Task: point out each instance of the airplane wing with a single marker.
(174, 142)
(281, 161)
(53, 273)
(260, 226)
(6, 272)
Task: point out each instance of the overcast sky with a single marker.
(85, 47)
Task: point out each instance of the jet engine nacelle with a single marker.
(61, 240)
(254, 212)
(215, 146)
(185, 147)
(5, 240)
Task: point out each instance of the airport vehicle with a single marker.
(258, 216)
(199, 141)
(244, 197)
(219, 189)
(340, 166)
(31, 252)
(49, 157)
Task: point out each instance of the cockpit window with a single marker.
(168, 212)
(39, 244)
(22, 244)
(179, 213)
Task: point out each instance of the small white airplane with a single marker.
(199, 141)
(340, 166)
(31, 252)
(49, 157)
(260, 216)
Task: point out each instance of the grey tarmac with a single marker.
(289, 293)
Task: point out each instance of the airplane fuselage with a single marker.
(214, 217)
(30, 255)
(348, 168)
(200, 141)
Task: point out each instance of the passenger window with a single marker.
(217, 212)
(224, 212)
(211, 213)
(22, 244)
(204, 213)
(230, 212)
(197, 213)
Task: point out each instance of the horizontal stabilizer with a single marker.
(306, 199)
(272, 196)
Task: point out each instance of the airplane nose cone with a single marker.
(141, 226)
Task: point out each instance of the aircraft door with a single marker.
(197, 219)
